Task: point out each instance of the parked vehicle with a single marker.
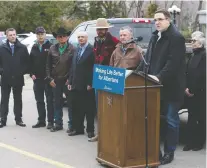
(29, 41)
(141, 27)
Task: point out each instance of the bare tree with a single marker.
(138, 5)
(196, 19)
(181, 15)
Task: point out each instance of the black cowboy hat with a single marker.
(61, 31)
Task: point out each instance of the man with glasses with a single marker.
(57, 69)
(38, 58)
(166, 58)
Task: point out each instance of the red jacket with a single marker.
(103, 50)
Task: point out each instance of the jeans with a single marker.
(171, 110)
(40, 89)
(58, 96)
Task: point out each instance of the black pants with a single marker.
(40, 89)
(83, 104)
(196, 126)
(17, 95)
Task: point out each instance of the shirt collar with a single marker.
(84, 47)
(10, 44)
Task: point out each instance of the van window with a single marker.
(91, 30)
(73, 38)
(142, 29)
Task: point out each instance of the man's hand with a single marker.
(33, 77)
(154, 77)
(89, 87)
(69, 87)
(52, 84)
(187, 92)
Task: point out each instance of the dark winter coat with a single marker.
(38, 60)
(196, 72)
(166, 58)
(13, 67)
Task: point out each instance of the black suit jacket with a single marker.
(81, 72)
(13, 68)
(166, 58)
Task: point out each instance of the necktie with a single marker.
(79, 54)
(12, 49)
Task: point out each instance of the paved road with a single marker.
(39, 148)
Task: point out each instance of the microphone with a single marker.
(136, 39)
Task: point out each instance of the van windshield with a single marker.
(139, 29)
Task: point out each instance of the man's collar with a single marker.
(84, 46)
(10, 44)
(164, 33)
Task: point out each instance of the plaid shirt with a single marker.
(103, 49)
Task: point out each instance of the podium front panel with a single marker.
(110, 115)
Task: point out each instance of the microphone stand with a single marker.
(146, 65)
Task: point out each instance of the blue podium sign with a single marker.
(109, 79)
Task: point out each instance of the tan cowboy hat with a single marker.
(102, 23)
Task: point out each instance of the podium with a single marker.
(121, 124)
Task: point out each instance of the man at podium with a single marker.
(166, 59)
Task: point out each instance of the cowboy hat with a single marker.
(102, 23)
(61, 31)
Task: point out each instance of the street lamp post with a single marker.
(175, 11)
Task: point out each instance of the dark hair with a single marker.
(10, 29)
(164, 12)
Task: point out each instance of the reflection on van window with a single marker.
(145, 30)
(73, 38)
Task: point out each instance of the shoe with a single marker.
(2, 124)
(93, 139)
(49, 125)
(69, 130)
(187, 148)
(197, 148)
(167, 158)
(56, 128)
(91, 134)
(39, 124)
(20, 123)
(73, 133)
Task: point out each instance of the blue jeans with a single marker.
(58, 96)
(170, 110)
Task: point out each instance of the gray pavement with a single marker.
(39, 148)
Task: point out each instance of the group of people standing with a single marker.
(62, 68)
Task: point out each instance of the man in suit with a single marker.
(166, 58)
(14, 63)
(38, 58)
(80, 82)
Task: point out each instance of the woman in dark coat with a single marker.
(196, 96)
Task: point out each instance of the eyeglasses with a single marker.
(61, 36)
(160, 19)
(193, 40)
